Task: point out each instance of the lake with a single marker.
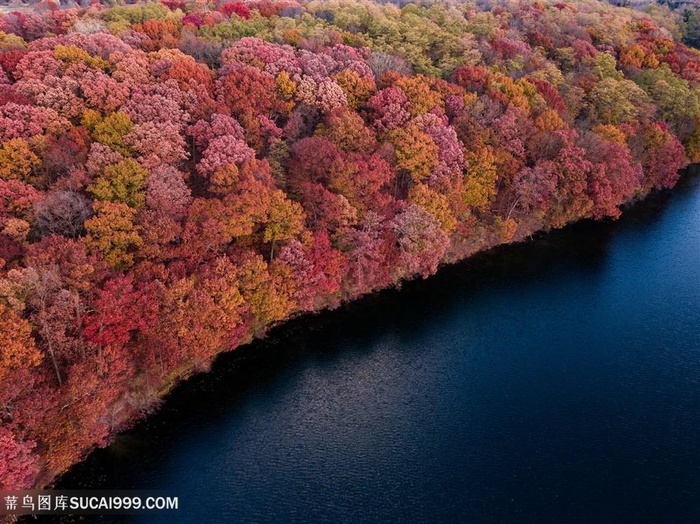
(552, 381)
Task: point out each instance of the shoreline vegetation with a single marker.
(307, 317)
(177, 178)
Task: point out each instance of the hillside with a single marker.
(178, 177)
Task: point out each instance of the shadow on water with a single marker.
(238, 378)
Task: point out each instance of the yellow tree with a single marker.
(481, 177)
(109, 131)
(434, 203)
(285, 220)
(112, 231)
(416, 153)
(422, 98)
(264, 290)
(122, 182)
(17, 347)
(17, 161)
(357, 89)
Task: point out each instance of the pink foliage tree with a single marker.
(157, 143)
(101, 91)
(324, 94)
(422, 241)
(53, 92)
(166, 192)
(203, 132)
(367, 260)
(271, 58)
(391, 109)
(24, 121)
(222, 151)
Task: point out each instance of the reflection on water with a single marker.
(553, 381)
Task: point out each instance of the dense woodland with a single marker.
(177, 177)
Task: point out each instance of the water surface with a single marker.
(555, 381)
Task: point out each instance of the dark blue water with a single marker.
(555, 381)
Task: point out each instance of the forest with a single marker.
(178, 177)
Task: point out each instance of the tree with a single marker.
(102, 92)
(25, 121)
(391, 109)
(160, 34)
(347, 130)
(316, 270)
(692, 25)
(157, 143)
(480, 178)
(204, 232)
(325, 94)
(203, 132)
(368, 251)
(357, 89)
(163, 103)
(58, 93)
(434, 203)
(677, 101)
(113, 232)
(17, 347)
(17, 200)
(63, 213)
(191, 75)
(421, 98)
(285, 220)
(63, 154)
(416, 153)
(535, 188)
(78, 270)
(363, 179)
(310, 159)
(324, 209)
(235, 8)
(263, 290)
(19, 465)
(615, 177)
(617, 101)
(247, 89)
(110, 131)
(450, 151)
(53, 312)
(122, 182)
(472, 78)
(58, 322)
(422, 242)
(120, 312)
(167, 192)
(662, 156)
(203, 315)
(512, 130)
(572, 171)
(222, 151)
(17, 161)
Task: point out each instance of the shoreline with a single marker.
(688, 172)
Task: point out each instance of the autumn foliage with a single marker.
(176, 178)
